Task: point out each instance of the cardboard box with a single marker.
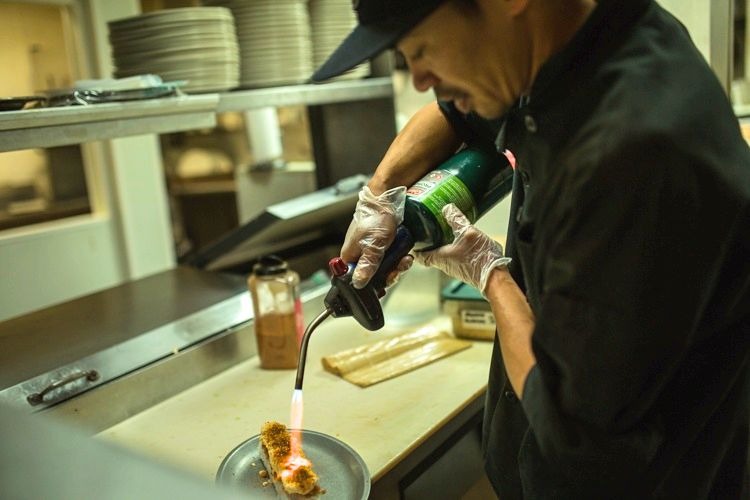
(469, 311)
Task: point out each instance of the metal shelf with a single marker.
(47, 127)
(307, 94)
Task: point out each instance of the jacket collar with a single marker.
(600, 34)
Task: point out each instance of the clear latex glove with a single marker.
(472, 255)
(371, 232)
(403, 266)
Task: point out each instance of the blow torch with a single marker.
(475, 179)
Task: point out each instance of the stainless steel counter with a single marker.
(113, 332)
(185, 407)
(403, 428)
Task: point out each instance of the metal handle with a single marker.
(38, 397)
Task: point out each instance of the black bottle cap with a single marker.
(269, 265)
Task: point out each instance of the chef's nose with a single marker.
(424, 79)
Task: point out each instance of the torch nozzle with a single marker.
(303, 346)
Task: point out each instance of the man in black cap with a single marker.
(621, 362)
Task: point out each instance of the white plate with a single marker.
(187, 44)
(269, 47)
(154, 36)
(198, 14)
(174, 25)
(275, 6)
(172, 39)
(275, 47)
(188, 50)
(271, 16)
(331, 25)
(177, 54)
(301, 32)
(280, 67)
(274, 61)
(277, 12)
(255, 36)
(273, 24)
(209, 44)
(182, 30)
(333, 16)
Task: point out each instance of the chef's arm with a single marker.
(475, 258)
(515, 324)
(426, 141)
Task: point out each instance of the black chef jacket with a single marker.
(630, 235)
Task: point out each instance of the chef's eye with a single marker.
(417, 54)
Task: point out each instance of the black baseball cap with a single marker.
(380, 25)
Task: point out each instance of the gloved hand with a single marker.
(371, 232)
(472, 255)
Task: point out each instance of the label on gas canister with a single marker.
(439, 188)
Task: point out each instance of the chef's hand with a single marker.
(472, 255)
(371, 232)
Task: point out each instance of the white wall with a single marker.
(696, 16)
(143, 208)
(409, 101)
(54, 261)
(127, 236)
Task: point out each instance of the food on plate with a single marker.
(290, 470)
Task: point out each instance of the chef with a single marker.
(621, 359)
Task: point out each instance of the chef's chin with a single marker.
(492, 111)
(462, 104)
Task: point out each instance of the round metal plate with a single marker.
(342, 472)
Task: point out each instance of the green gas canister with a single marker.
(474, 179)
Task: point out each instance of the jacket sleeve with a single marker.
(625, 277)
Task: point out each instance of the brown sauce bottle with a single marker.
(277, 308)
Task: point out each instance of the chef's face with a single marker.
(469, 54)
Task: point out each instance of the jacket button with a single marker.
(530, 123)
(510, 395)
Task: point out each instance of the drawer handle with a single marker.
(38, 397)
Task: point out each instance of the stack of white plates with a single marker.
(193, 44)
(330, 22)
(274, 38)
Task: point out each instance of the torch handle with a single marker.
(402, 244)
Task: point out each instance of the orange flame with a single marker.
(296, 424)
(294, 463)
